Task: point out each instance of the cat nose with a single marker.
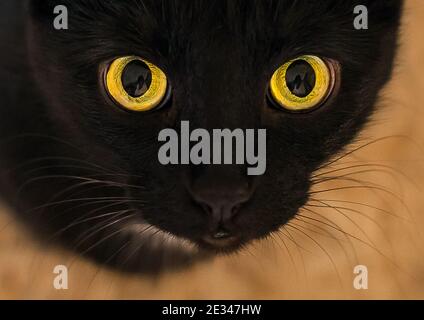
(220, 191)
(221, 205)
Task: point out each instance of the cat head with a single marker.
(218, 59)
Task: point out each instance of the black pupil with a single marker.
(300, 78)
(136, 78)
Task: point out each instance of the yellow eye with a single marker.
(302, 84)
(136, 84)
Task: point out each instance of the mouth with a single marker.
(221, 242)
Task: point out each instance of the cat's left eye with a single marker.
(303, 84)
(136, 84)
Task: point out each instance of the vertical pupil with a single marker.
(136, 78)
(300, 78)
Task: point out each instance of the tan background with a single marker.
(309, 259)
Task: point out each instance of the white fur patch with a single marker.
(159, 239)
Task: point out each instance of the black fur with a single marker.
(58, 129)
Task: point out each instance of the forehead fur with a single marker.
(186, 30)
(243, 18)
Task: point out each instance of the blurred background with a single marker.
(372, 216)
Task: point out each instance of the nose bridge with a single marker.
(218, 87)
(220, 179)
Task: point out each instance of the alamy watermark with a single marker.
(60, 21)
(360, 282)
(60, 281)
(201, 147)
(361, 19)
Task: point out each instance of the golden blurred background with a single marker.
(372, 216)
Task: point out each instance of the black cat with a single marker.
(81, 110)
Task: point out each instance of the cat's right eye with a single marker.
(136, 84)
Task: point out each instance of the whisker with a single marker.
(346, 177)
(382, 211)
(81, 220)
(298, 247)
(362, 147)
(336, 227)
(326, 234)
(351, 220)
(96, 199)
(322, 248)
(288, 251)
(376, 188)
(108, 225)
(390, 170)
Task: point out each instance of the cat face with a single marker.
(219, 58)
